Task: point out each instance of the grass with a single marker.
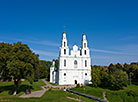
(53, 84)
(128, 94)
(90, 91)
(6, 88)
(123, 95)
(49, 96)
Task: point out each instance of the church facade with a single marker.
(74, 66)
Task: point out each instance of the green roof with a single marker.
(53, 66)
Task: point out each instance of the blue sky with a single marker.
(111, 27)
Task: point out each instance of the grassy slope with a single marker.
(122, 96)
(90, 90)
(58, 96)
(112, 96)
(49, 96)
(7, 87)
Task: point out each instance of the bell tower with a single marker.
(84, 46)
(64, 49)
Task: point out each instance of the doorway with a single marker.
(75, 81)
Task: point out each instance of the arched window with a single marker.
(84, 45)
(64, 44)
(64, 51)
(80, 52)
(85, 52)
(75, 63)
(64, 63)
(85, 63)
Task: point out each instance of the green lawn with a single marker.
(6, 88)
(90, 91)
(123, 95)
(128, 94)
(49, 96)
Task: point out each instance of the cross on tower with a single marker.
(64, 28)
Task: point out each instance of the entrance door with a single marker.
(75, 81)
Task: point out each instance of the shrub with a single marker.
(131, 93)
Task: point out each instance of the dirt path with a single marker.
(104, 95)
(59, 86)
(36, 93)
(41, 92)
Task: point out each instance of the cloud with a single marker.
(129, 49)
(106, 60)
(130, 37)
(106, 51)
(124, 52)
(119, 54)
(51, 54)
(47, 43)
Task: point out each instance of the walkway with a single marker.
(104, 95)
(36, 93)
(41, 92)
(60, 87)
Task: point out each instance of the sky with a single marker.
(111, 27)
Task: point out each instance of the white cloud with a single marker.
(45, 53)
(47, 43)
(130, 37)
(106, 51)
(129, 51)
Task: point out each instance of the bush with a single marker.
(78, 86)
(131, 93)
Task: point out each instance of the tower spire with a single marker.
(64, 29)
(83, 30)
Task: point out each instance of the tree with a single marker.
(114, 67)
(45, 69)
(20, 63)
(117, 80)
(96, 76)
(111, 68)
(99, 76)
(114, 79)
(132, 71)
(5, 48)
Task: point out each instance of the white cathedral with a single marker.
(74, 67)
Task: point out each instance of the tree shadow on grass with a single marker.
(135, 82)
(10, 89)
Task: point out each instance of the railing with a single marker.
(87, 96)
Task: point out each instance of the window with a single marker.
(80, 52)
(64, 74)
(64, 63)
(85, 52)
(75, 63)
(85, 74)
(84, 45)
(85, 63)
(64, 51)
(64, 44)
